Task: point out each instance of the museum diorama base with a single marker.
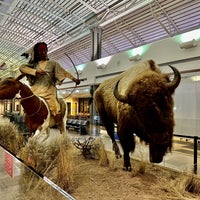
(99, 178)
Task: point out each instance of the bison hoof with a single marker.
(118, 156)
(116, 150)
(128, 168)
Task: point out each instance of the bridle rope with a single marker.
(25, 98)
(37, 110)
(22, 99)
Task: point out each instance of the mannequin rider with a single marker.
(43, 75)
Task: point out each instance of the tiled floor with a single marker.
(9, 185)
(180, 159)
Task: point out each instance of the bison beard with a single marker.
(140, 102)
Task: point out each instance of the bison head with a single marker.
(171, 86)
(158, 147)
(150, 98)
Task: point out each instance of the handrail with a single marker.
(195, 138)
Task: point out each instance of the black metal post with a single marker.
(195, 138)
(195, 154)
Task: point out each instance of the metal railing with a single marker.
(195, 148)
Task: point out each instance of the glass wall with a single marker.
(14, 182)
(187, 105)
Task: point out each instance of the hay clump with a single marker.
(173, 183)
(103, 157)
(139, 168)
(192, 184)
(53, 158)
(183, 182)
(10, 138)
(42, 190)
(63, 172)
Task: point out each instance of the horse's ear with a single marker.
(20, 77)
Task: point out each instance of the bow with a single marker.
(77, 74)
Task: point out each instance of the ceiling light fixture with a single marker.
(135, 57)
(188, 44)
(102, 66)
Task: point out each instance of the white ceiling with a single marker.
(65, 25)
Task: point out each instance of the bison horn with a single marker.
(175, 82)
(118, 96)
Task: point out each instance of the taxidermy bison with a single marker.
(140, 102)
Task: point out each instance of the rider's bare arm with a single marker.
(68, 75)
(27, 70)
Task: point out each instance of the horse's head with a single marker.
(9, 87)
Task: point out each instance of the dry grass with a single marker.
(103, 158)
(10, 138)
(52, 158)
(96, 178)
(38, 189)
(53, 161)
(146, 181)
(192, 184)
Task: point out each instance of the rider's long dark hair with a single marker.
(34, 59)
(35, 51)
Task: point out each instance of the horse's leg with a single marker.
(63, 126)
(43, 130)
(48, 131)
(37, 133)
(63, 119)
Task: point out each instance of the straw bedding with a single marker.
(98, 178)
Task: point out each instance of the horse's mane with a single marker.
(26, 88)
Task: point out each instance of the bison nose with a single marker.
(155, 159)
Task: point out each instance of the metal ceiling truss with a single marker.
(65, 26)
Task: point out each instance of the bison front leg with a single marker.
(110, 129)
(116, 149)
(109, 126)
(127, 141)
(127, 163)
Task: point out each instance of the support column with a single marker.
(96, 33)
(92, 104)
(12, 103)
(94, 116)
